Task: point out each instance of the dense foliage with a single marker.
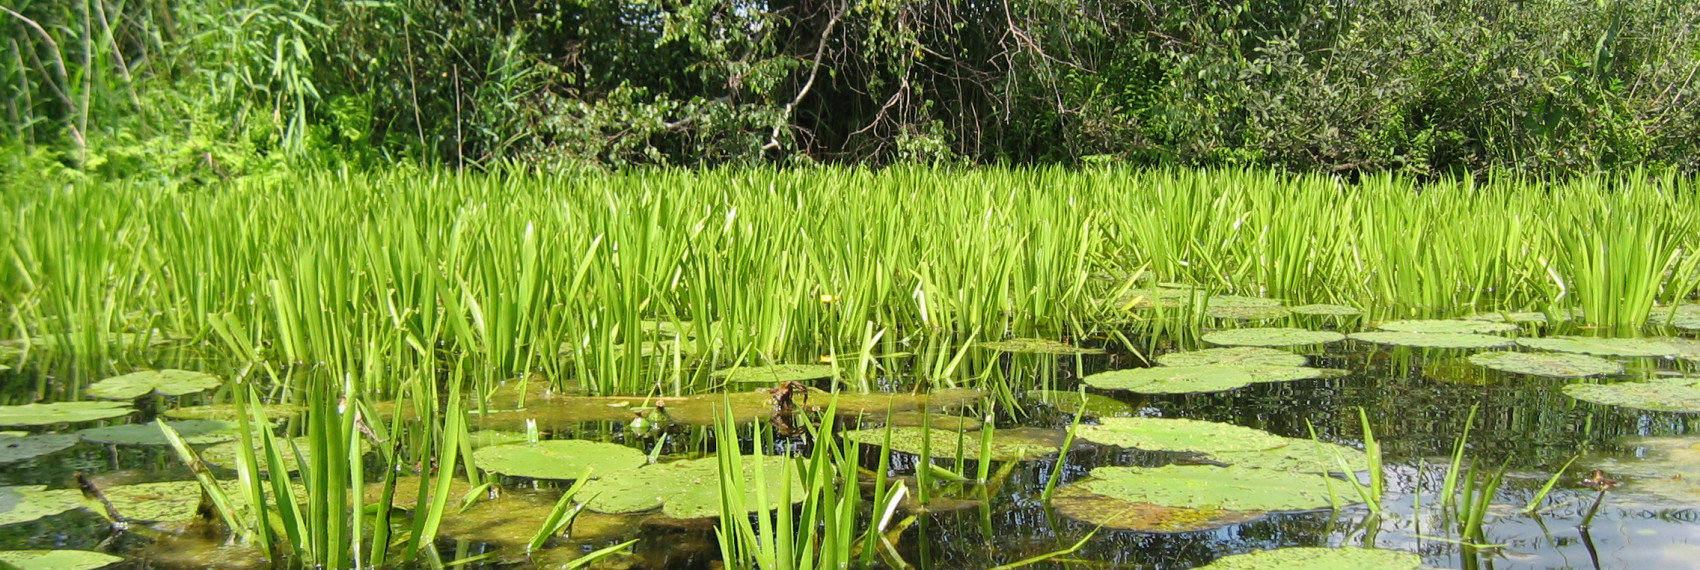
(208, 89)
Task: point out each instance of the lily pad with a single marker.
(1017, 444)
(1551, 364)
(1272, 337)
(15, 448)
(688, 489)
(1535, 317)
(1680, 394)
(1459, 341)
(1076, 502)
(1299, 455)
(1179, 434)
(225, 454)
(776, 373)
(1221, 301)
(511, 519)
(58, 559)
(1165, 297)
(34, 502)
(1193, 379)
(1096, 404)
(1239, 355)
(1312, 558)
(1325, 310)
(227, 412)
(1207, 487)
(1247, 313)
(194, 432)
(170, 501)
(1458, 326)
(61, 413)
(558, 458)
(162, 382)
(1037, 346)
(1623, 347)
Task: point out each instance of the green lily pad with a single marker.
(1459, 341)
(15, 448)
(558, 458)
(1325, 310)
(194, 432)
(227, 412)
(1299, 455)
(1623, 347)
(775, 374)
(1459, 326)
(1096, 404)
(1207, 487)
(225, 454)
(1037, 346)
(688, 489)
(1241, 301)
(1016, 444)
(512, 518)
(162, 382)
(1247, 313)
(1194, 379)
(169, 501)
(1239, 355)
(1551, 364)
(1272, 337)
(1310, 558)
(1179, 434)
(61, 413)
(1076, 502)
(1658, 394)
(58, 559)
(1535, 317)
(1165, 297)
(34, 502)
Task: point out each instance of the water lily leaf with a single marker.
(170, 501)
(1207, 487)
(227, 412)
(1016, 444)
(58, 559)
(15, 448)
(1551, 364)
(511, 519)
(1272, 337)
(550, 410)
(915, 419)
(33, 502)
(1241, 301)
(1299, 455)
(1037, 346)
(1096, 404)
(1523, 317)
(194, 432)
(61, 413)
(225, 454)
(1458, 326)
(1193, 379)
(558, 459)
(1247, 313)
(1325, 310)
(1624, 347)
(162, 382)
(775, 374)
(1179, 434)
(687, 489)
(1239, 355)
(1076, 502)
(1459, 341)
(1680, 394)
(1166, 297)
(1309, 558)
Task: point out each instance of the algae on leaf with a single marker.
(1240, 355)
(1547, 364)
(14, 448)
(1178, 434)
(61, 413)
(1680, 394)
(687, 489)
(1192, 379)
(1016, 444)
(58, 559)
(558, 459)
(1207, 487)
(1624, 347)
(1456, 341)
(1076, 502)
(1311, 558)
(1299, 455)
(1458, 326)
(162, 382)
(194, 432)
(775, 374)
(33, 502)
(1038, 346)
(1247, 313)
(227, 412)
(170, 501)
(1323, 310)
(1272, 337)
(1096, 404)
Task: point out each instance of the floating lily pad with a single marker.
(1299, 455)
(1459, 341)
(775, 374)
(1076, 502)
(558, 458)
(688, 489)
(225, 454)
(1179, 434)
(15, 448)
(1272, 337)
(511, 520)
(34, 502)
(1037, 346)
(194, 432)
(548, 409)
(1207, 487)
(1535, 317)
(915, 419)
(170, 501)
(1623, 347)
(1239, 355)
(1657, 394)
(58, 559)
(1547, 364)
(1017, 444)
(1222, 301)
(1311, 558)
(1661, 472)
(61, 413)
(227, 412)
(1325, 310)
(1165, 297)
(1193, 379)
(162, 382)
(1096, 404)
(1458, 326)
(1247, 313)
